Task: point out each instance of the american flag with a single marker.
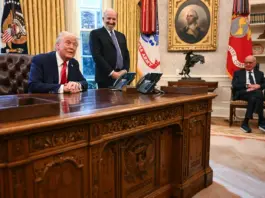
(7, 37)
(13, 30)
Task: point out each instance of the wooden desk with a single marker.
(109, 145)
(211, 85)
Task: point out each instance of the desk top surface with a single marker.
(93, 104)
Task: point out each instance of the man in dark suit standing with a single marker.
(247, 85)
(109, 51)
(57, 71)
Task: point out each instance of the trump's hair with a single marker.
(64, 34)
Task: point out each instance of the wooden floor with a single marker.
(238, 161)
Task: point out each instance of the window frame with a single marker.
(95, 11)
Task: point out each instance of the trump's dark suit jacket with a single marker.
(44, 74)
(239, 82)
(104, 54)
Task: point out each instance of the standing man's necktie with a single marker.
(119, 62)
(63, 74)
(251, 80)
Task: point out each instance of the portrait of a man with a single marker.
(192, 25)
(192, 22)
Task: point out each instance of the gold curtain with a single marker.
(44, 21)
(129, 24)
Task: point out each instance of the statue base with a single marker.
(192, 79)
(198, 82)
(186, 90)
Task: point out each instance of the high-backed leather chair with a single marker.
(14, 73)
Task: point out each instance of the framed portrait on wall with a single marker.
(192, 25)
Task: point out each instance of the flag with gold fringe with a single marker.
(240, 44)
(13, 35)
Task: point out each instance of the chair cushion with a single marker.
(241, 102)
(238, 102)
(14, 73)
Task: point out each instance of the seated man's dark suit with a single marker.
(44, 76)
(254, 98)
(104, 54)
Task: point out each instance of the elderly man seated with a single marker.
(248, 84)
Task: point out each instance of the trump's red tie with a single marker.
(63, 74)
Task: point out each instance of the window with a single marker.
(91, 18)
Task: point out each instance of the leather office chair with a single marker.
(14, 72)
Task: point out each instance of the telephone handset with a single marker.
(140, 81)
(123, 80)
(147, 83)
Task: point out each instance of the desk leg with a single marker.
(208, 169)
(191, 170)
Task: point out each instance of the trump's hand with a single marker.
(66, 89)
(72, 87)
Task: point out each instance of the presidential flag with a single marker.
(240, 44)
(13, 34)
(148, 45)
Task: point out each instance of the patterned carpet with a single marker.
(220, 127)
(237, 160)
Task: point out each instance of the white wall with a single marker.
(106, 4)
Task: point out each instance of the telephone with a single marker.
(123, 80)
(147, 83)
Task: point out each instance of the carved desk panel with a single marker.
(109, 145)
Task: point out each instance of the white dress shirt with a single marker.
(109, 31)
(60, 67)
(247, 77)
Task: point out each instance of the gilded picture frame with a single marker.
(192, 25)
